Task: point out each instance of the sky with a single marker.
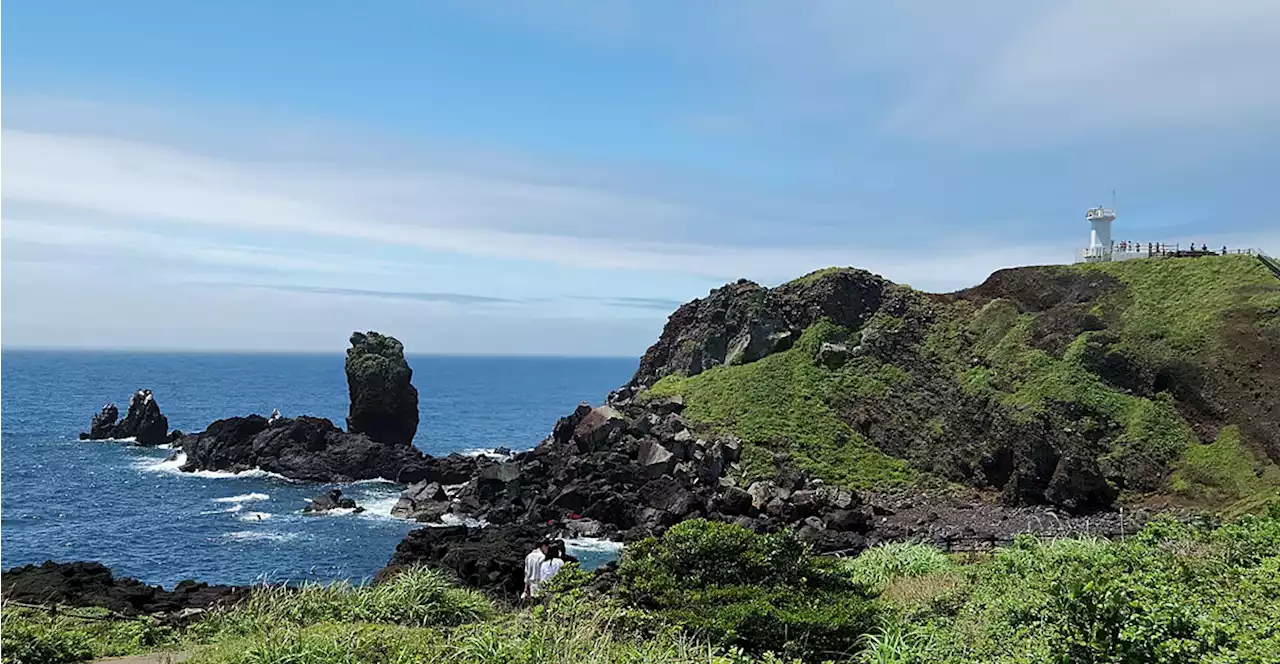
(556, 177)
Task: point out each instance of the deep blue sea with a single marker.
(64, 499)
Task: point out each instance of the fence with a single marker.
(1123, 251)
(981, 543)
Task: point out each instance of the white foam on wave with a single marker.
(455, 520)
(592, 544)
(255, 516)
(242, 498)
(173, 465)
(229, 510)
(492, 454)
(378, 506)
(258, 536)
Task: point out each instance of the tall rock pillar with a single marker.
(384, 403)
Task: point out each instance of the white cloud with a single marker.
(1093, 68)
(115, 184)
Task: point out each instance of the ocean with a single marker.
(65, 499)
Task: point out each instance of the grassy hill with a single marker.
(1153, 379)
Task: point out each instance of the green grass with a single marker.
(1171, 594)
(1225, 472)
(881, 565)
(30, 636)
(778, 404)
(1182, 300)
(419, 597)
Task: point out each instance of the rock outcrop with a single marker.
(629, 469)
(383, 419)
(301, 448)
(333, 500)
(143, 422)
(743, 321)
(488, 558)
(92, 584)
(384, 403)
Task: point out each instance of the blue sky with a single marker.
(556, 177)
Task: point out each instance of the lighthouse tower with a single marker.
(1099, 249)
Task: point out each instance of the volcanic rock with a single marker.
(490, 558)
(143, 422)
(384, 403)
(331, 501)
(92, 584)
(301, 448)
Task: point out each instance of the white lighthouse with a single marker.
(1099, 248)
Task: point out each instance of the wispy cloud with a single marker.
(447, 298)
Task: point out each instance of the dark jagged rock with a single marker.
(143, 422)
(384, 403)
(333, 500)
(488, 558)
(743, 322)
(301, 448)
(103, 423)
(92, 584)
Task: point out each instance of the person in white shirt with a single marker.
(553, 562)
(533, 567)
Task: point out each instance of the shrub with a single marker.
(762, 593)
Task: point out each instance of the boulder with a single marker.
(426, 498)
(596, 427)
(654, 459)
(735, 501)
(384, 403)
(332, 500)
(833, 356)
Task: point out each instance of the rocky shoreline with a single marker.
(624, 470)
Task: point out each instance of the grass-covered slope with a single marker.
(1075, 385)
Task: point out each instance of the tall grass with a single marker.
(417, 597)
(880, 565)
(583, 635)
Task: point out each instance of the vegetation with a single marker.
(1115, 361)
(711, 593)
(779, 402)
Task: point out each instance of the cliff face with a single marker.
(1069, 385)
(743, 322)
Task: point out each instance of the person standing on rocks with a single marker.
(533, 567)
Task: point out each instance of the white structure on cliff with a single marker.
(1100, 244)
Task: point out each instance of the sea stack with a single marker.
(143, 422)
(384, 403)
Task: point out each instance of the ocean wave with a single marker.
(229, 510)
(378, 506)
(242, 498)
(173, 465)
(255, 516)
(258, 536)
(455, 520)
(592, 544)
(491, 453)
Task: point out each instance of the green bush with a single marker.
(1175, 593)
(762, 593)
(81, 634)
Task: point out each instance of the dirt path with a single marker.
(151, 658)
